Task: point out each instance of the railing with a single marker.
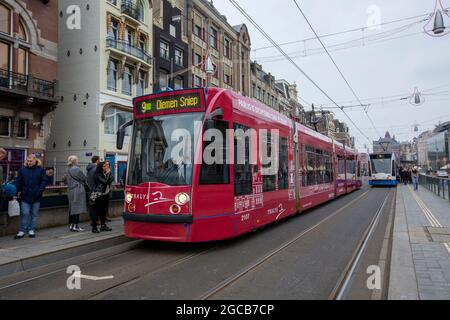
(124, 46)
(439, 186)
(132, 10)
(27, 83)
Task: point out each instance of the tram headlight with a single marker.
(182, 198)
(175, 209)
(129, 198)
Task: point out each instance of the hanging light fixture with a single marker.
(438, 23)
(417, 98)
(439, 28)
(209, 67)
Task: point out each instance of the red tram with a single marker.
(197, 202)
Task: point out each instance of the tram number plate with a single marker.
(245, 217)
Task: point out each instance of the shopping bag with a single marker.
(14, 208)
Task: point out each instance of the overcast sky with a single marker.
(380, 68)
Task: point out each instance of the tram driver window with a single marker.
(283, 174)
(217, 173)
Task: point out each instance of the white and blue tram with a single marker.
(383, 169)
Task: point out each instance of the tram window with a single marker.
(341, 165)
(283, 174)
(243, 175)
(217, 173)
(269, 181)
(310, 166)
(320, 168)
(328, 168)
(303, 163)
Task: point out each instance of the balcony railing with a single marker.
(124, 46)
(132, 10)
(28, 84)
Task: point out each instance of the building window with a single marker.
(179, 83)
(198, 31)
(22, 61)
(112, 75)
(227, 79)
(22, 129)
(163, 79)
(5, 127)
(164, 50)
(140, 90)
(197, 81)
(114, 119)
(114, 2)
(22, 32)
(227, 48)
(4, 58)
(173, 31)
(5, 19)
(142, 41)
(213, 38)
(179, 57)
(197, 59)
(127, 81)
(113, 30)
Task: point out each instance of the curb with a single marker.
(402, 280)
(44, 259)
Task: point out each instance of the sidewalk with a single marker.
(52, 245)
(420, 261)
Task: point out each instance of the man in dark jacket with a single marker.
(30, 184)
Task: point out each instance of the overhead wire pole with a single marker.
(337, 67)
(256, 25)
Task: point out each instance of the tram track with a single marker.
(142, 272)
(229, 281)
(340, 290)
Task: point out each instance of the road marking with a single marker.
(434, 222)
(93, 278)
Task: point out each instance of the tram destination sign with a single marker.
(169, 104)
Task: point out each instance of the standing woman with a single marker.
(76, 185)
(103, 183)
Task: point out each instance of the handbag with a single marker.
(13, 208)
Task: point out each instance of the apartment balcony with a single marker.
(132, 10)
(128, 49)
(17, 86)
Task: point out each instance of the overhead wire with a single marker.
(261, 30)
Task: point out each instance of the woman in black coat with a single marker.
(103, 182)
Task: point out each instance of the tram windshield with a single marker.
(381, 163)
(162, 149)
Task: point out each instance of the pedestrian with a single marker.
(102, 190)
(76, 192)
(91, 172)
(415, 177)
(3, 155)
(50, 172)
(30, 183)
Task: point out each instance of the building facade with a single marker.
(171, 50)
(28, 69)
(228, 48)
(438, 150)
(103, 65)
(387, 144)
(422, 149)
(263, 86)
(288, 99)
